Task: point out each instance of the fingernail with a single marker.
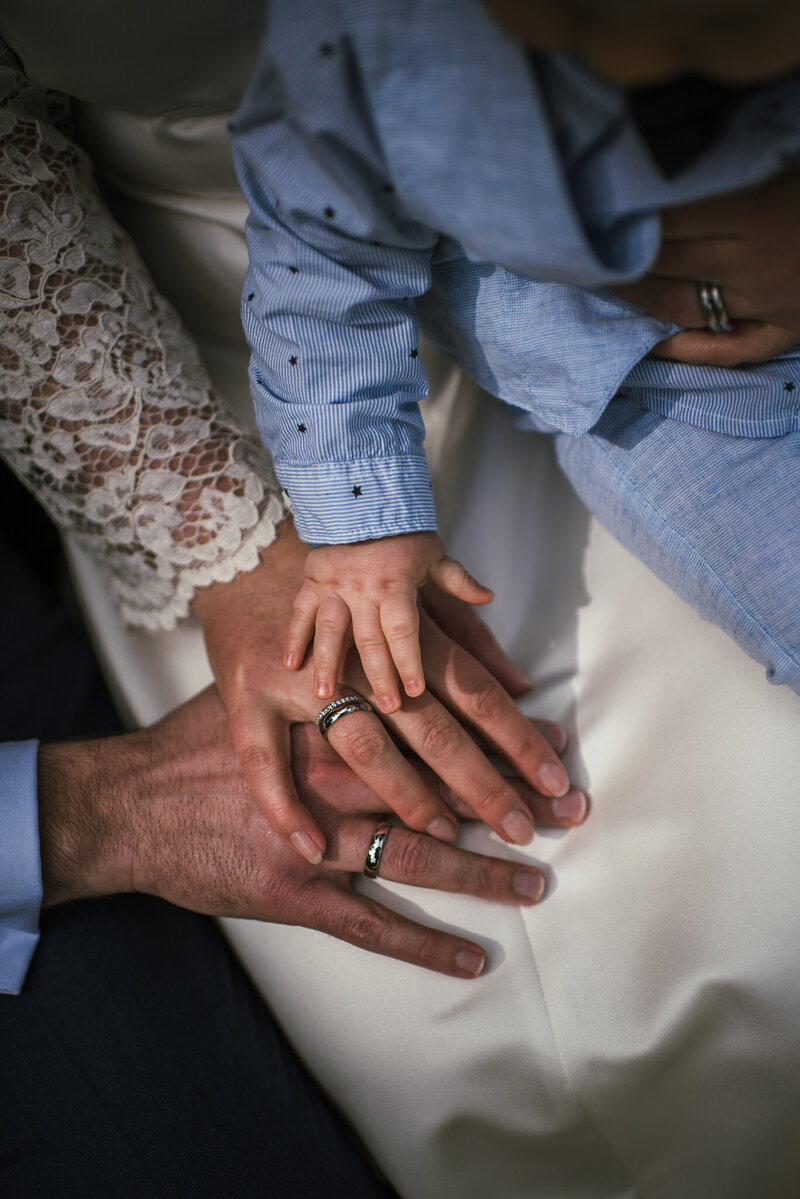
(305, 846)
(414, 687)
(290, 661)
(388, 704)
(553, 777)
(571, 807)
(323, 690)
(442, 829)
(471, 962)
(557, 736)
(518, 827)
(530, 884)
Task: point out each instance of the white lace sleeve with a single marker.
(106, 413)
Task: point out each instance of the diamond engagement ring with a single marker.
(341, 707)
(375, 849)
(714, 310)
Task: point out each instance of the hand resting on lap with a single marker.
(747, 243)
(245, 622)
(167, 811)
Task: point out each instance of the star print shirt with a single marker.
(411, 165)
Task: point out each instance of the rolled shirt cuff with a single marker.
(336, 503)
(20, 863)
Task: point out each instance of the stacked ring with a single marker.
(714, 310)
(341, 707)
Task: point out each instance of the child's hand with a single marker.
(373, 586)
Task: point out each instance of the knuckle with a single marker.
(400, 627)
(483, 878)
(441, 737)
(415, 858)
(258, 761)
(328, 624)
(428, 949)
(368, 930)
(530, 748)
(364, 746)
(493, 795)
(369, 643)
(486, 701)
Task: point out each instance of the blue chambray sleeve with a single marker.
(328, 304)
(20, 865)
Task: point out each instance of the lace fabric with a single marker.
(106, 412)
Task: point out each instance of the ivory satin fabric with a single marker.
(636, 1035)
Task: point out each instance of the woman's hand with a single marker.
(245, 623)
(748, 243)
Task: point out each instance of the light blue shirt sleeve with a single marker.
(328, 304)
(411, 162)
(20, 863)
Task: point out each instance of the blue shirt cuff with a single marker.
(20, 863)
(337, 503)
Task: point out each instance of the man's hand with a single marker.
(244, 623)
(369, 592)
(748, 243)
(167, 811)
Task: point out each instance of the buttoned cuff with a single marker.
(336, 503)
(20, 863)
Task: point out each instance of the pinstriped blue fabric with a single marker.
(21, 873)
(409, 163)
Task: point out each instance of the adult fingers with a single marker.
(750, 341)
(364, 744)
(454, 579)
(301, 626)
(559, 811)
(399, 617)
(462, 623)
(678, 301)
(332, 625)
(362, 921)
(263, 745)
(433, 733)
(471, 692)
(375, 657)
(419, 861)
(548, 811)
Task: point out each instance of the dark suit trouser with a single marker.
(139, 1062)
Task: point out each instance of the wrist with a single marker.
(283, 557)
(85, 830)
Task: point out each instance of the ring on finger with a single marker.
(714, 310)
(375, 848)
(341, 707)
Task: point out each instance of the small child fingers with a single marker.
(454, 579)
(400, 623)
(375, 657)
(301, 626)
(333, 623)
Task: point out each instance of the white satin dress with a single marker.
(638, 1034)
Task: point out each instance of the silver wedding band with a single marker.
(714, 310)
(375, 848)
(341, 707)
